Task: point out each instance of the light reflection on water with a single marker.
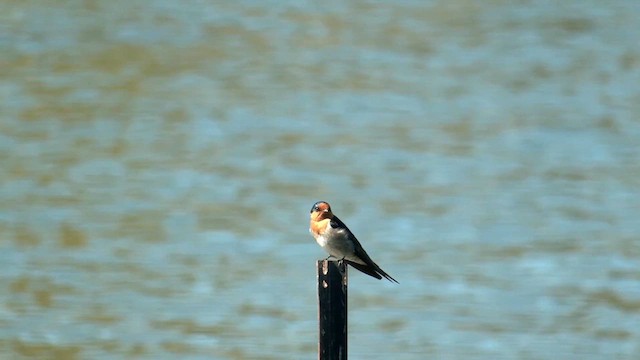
(158, 167)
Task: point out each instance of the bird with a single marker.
(336, 238)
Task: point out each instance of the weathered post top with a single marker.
(332, 310)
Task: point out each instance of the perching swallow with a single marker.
(336, 238)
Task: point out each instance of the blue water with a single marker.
(159, 160)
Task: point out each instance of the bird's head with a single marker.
(321, 210)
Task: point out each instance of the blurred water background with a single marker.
(158, 160)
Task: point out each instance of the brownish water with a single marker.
(158, 161)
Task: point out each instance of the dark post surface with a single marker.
(332, 301)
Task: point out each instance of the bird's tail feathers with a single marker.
(374, 272)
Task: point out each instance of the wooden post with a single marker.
(332, 310)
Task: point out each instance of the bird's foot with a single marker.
(340, 260)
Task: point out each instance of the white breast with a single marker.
(320, 239)
(336, 242)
